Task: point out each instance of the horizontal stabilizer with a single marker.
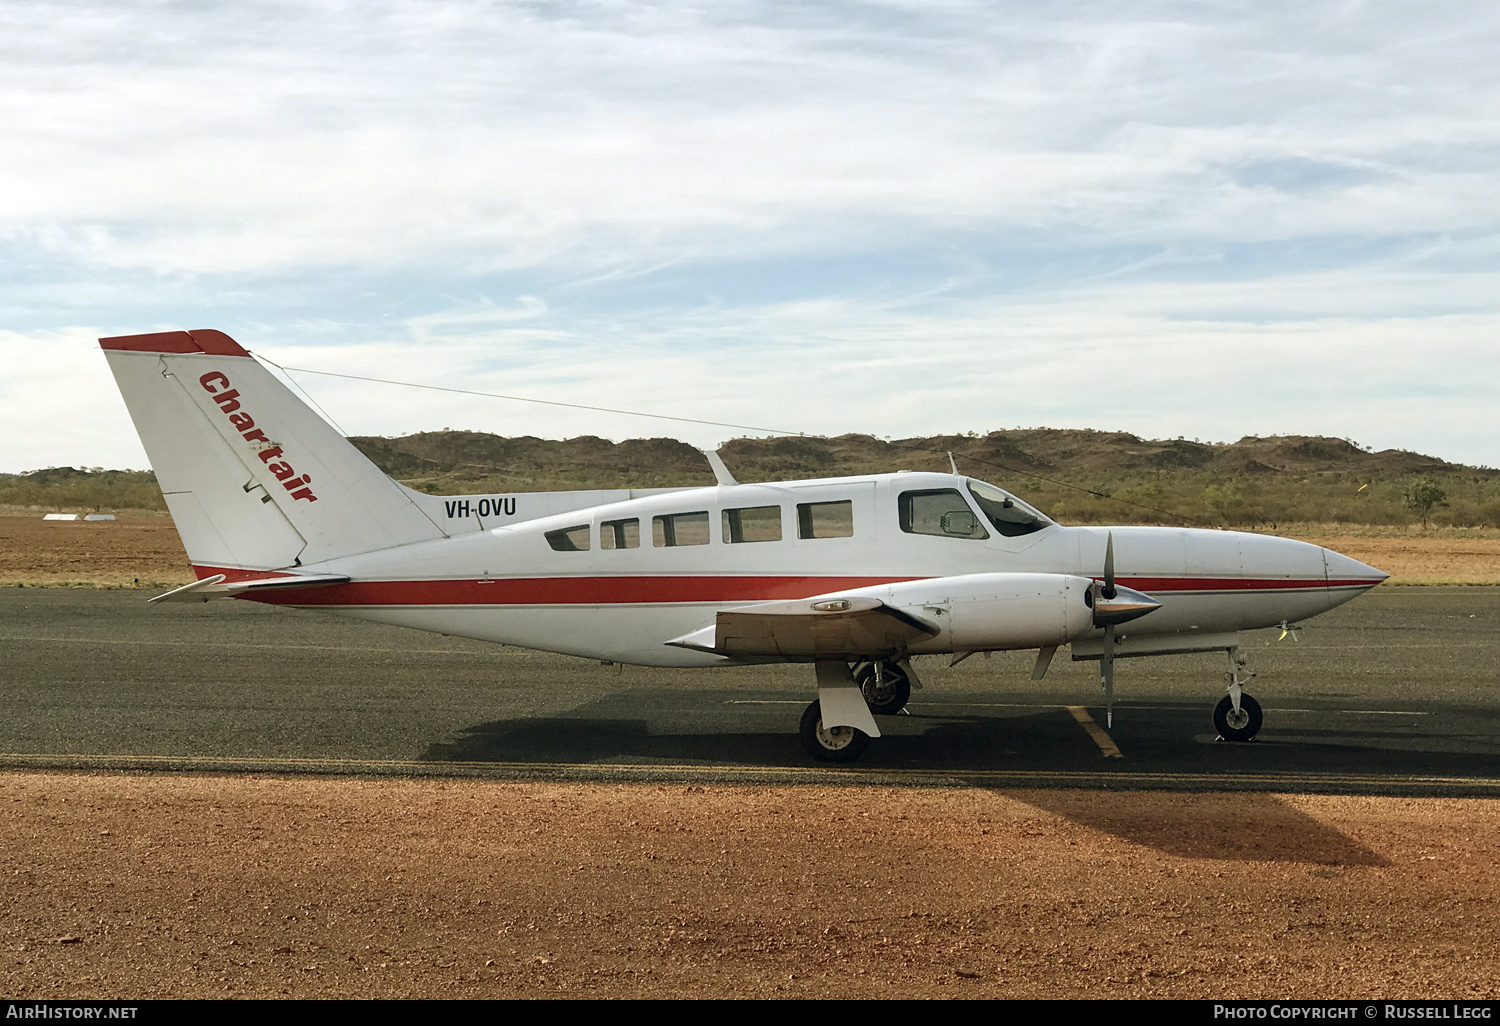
(839, 627)
(219, 587)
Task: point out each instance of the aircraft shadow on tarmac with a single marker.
(742, 729)
(970, 733)
(938, 736)
(1265, 828)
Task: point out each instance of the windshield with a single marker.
(1010, 515)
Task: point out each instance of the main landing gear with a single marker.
(830, 744)
(1237, 717)
(884, 687)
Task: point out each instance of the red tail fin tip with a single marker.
(199, 340)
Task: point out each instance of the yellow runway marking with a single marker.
(1104, 741)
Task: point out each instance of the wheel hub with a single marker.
(834, 738)
(1237, 718)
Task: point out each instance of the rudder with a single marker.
(254, 478)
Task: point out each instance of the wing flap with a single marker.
(840, 627)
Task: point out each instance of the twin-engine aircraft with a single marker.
(854, 575)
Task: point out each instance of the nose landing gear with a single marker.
(1237, 717)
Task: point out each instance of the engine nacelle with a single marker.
(994, 612)
(966, 613)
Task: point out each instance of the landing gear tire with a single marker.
(838, 744)
(1241, 726)
(890, 694)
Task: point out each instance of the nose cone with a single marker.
(1345, 573)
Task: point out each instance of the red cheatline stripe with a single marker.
(546, 591)
(233, 574)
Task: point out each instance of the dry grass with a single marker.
(1314, 531)
(1440, 555)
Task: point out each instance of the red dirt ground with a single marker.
(196, 886)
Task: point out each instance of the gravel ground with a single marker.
(113, 554)
(121, 886)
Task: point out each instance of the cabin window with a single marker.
(570, 539)
(752, 524)
(680, 529)
(1010, 515)
(825, 519)
(941, 512)
(620, 534)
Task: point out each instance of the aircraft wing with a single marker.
(845, 627)
(215, 587)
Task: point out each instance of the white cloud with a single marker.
(262, 137)
(889, 217)
(1113, 357)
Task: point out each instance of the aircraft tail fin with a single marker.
(254, 479)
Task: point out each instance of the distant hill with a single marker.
(1077, 476)
(67, 489)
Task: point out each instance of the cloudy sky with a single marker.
(1200, 219)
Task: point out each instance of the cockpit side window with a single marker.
(941, 512)
(1010, 515)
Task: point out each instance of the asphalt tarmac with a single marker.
(1397, 692)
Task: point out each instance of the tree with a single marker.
(1233, 502)
(1422, 497)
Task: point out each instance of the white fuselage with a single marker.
(513, 585)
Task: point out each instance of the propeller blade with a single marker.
(1112, 603)
(1113, 606)
(1107, 675)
